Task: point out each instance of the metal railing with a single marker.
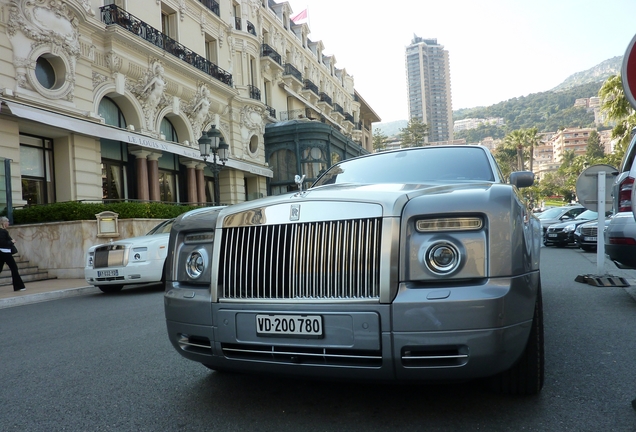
(255, 92)
(212, 5)
(291, 70)
(268, 51)
(112, 14)
(309, 85)
(337, 108)
(324, 97)
(271, 111)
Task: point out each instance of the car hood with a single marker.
(140, 241)
(390, 197)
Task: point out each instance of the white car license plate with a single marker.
(310, 325)
(552, 235)
(589, 238)
(107, 273)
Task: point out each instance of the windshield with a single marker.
(587, 215)
(552, 213)
(413, 166)
(163, 228)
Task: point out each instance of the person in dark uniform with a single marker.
(6, 255)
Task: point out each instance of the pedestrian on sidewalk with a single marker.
(6, 255)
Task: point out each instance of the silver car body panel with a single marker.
(471, 323)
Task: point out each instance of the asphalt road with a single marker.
(103, 363)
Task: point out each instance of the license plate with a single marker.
(552, 235)
(589, 238)
(310, 325)
(107, 273)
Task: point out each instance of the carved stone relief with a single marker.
(51, 29)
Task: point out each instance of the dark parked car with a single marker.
(415, 264)
(558, 214)
(586, 234)
(620, 236)
(562, 234)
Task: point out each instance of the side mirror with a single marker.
(522, 179)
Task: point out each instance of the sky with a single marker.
(499, 49)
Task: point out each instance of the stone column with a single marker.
(191, 179)
(153, 176)
(142, 174)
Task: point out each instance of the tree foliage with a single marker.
(379, 140)
(594, 148)
(414, 133)
(547, 111)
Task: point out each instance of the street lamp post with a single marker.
(213, 146)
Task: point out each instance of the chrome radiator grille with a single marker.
(304, 261)
(588, 231)
(110, 256)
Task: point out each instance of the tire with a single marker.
(110, 289)
(526, 376)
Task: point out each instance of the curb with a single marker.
(45, 296)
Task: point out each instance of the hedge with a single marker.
(72, 211)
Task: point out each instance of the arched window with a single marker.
(168, 130)
(114, 154)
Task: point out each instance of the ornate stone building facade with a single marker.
(106, 100)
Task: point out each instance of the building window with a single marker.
(114, 154)
(283, 163)
(45, 73)
(313, 162)
(36, 169)
(168, 130)
(169, 177)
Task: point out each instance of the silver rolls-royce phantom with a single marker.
(416, 264)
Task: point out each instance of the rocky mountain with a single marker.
(579, 80)
(598, 73)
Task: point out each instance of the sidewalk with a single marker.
(43, 290)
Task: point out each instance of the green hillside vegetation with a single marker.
(547, 111)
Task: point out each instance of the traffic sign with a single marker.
(587, 185)
(628, 73)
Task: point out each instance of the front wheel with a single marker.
(525, 377)
(109, 289)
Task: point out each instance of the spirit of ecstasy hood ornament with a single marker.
(299, 181)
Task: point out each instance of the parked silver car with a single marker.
(416, 264)
(620, 236)
(558, 214)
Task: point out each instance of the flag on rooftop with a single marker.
(301, 17)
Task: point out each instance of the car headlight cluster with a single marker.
(196, 251)
(442, 250)
(569, 228)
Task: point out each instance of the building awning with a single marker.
(92, 129)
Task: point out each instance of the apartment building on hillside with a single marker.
(429, 87)
(106, 100)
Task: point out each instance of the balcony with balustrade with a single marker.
(114, 15)
(310, 92)
(270, 59)
(292, 78)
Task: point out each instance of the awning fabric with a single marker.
(87, 128)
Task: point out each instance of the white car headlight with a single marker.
(569, 228)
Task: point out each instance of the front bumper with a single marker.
(134, 273)
(452, 333)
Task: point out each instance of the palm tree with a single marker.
(517, 140)
(532, 139)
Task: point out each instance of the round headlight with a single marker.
(442, 258)
(195, 265)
